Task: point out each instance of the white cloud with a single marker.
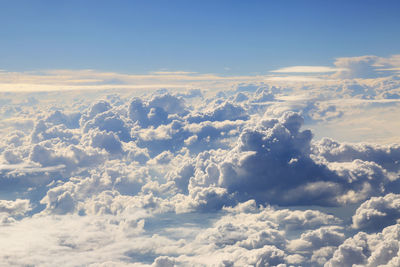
(65, 80)
(380, 249)
(187, 178)
(377, 212)
(307, 69)
(366, 66)
(345, 68)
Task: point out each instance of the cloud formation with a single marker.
(230, 177)
(307, 69)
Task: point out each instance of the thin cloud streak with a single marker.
(307, 69)
(61, 80)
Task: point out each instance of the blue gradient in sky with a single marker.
(226, 37)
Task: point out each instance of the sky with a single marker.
(200, 133)
(223, 37)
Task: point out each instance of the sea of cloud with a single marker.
(232, 177)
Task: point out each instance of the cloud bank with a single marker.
(232, 177)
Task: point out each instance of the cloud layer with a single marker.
(233, 177)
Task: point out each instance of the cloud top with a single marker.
(228, 177)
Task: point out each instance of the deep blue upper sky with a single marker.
(219, 36)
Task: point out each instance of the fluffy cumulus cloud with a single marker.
(233, 177)
(378, 249)
(377, 212)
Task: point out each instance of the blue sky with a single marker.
(224, 37)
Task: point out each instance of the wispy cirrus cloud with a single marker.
(363, 67)
(61, 80)
(307, 69)
(70, 80)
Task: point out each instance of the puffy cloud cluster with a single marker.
(11, 210)
(275, 162)
(377, 213)
(269, 163)
(195, 178)
(379, 249)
